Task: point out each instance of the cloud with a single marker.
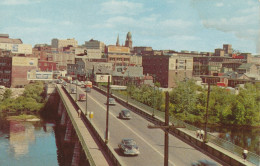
(34, 20)
(18, 2)
(220, 4)
(66, 23)
(114, 7)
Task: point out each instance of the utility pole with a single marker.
(86, 101)
(76, 90)
(154, 93)
(107, 118)
(166, 128)
(127, 89)
(205, 137)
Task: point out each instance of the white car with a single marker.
(2, 87)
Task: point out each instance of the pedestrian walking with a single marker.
(202, 134)
(197, 133)
(245, 154)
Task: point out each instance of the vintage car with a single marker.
(204, 162)
(129, 147)
(111, 101)
(124, 114)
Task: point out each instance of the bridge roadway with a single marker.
(150, 141)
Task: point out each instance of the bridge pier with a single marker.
(60, 108)
(76, 154)
(68, 133)
(63, 118)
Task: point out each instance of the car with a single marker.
(88, 89)
(204, 162)
(2, 87)
(129, 147)
(111, 101)
(125, 114)
(73, 90)
(64, 83)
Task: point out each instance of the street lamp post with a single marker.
(86, 101)
(127, 88)
(107, 117)
(76, 90)
(205, 137)
(153, 94)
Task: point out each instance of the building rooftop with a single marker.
(8, 40)
(245, 66)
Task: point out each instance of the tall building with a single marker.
(128, 41)
(95, 44)
(59, 43)
(20, 67)
(227, 48)
(219, 52)
(168, 70)
(14, 45)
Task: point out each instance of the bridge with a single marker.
(184, 147)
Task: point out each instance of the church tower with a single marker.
(117, 41)
(128, 41)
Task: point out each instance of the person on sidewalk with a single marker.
(197, 133)
(245, 154)
(202, 134)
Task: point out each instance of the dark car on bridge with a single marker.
(111, 101)
(125, 114)
(88, 89)
(129, 147)
(204, 163)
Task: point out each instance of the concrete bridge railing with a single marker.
(106, 147)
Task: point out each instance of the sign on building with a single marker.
(102, 78)
(36, 75)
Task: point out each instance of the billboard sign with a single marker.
(24, 61)
(36, 75)
(102, 78)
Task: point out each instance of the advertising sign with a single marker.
(102, 78)
(35, 75)
(24, 61)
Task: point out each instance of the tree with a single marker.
(7, 94)
(184, 98)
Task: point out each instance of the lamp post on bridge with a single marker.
(107, 117)
(166, 128)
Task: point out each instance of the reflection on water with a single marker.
(244, 137)
(21, 135)
(27, 144)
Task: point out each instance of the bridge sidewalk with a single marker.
(96, 150)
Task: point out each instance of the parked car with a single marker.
(64, 83)
(88, 89)
(204, 162)
(129, 147)
(73, 90)
(124, 114)
(111, 101)
(82, 96)
(2, 87)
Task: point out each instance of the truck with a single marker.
(82, 96)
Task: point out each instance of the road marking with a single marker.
(131, 130)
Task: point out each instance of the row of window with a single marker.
(119, 59)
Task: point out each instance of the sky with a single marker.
(193, 25)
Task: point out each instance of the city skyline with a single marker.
(194, 25)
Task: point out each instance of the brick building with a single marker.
(168, 70)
